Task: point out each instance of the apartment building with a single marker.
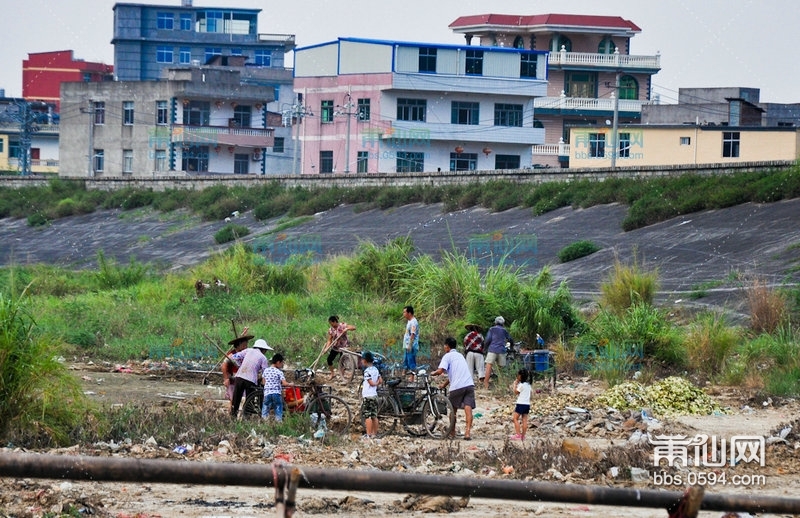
(377, 106)
(195, 120)
(592, 71)
(43, 73)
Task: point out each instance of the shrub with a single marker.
(230, 232)
(111, 276)
(709, 343)
(768, 308)
(40, 401)
(628, 285)
(577, 250)
(377, 269)
(37, 219)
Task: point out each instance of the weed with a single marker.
(577, 250)
(768, 308)
(230, 232)
(627, 285)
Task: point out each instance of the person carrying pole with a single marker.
(337, 340)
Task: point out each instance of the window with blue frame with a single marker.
(165, 21)
(212, 51)
(236, 51)
(597, 145)
(186, 22)
(508, 115)
(263, 58)
(410, 162)
(164, 54)
(185, 55)
(326, 111)
(411, 109)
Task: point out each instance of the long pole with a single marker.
(20, 465)
(296, 138)
(615, 125)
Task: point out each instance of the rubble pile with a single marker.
(668, 397)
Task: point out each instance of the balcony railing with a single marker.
(583, 103)
(560, 149)
(616, 60)
(223, 135)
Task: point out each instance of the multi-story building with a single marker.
(591, 71)
(28, 139)
(151, 38)
(196, 120)
(43, 73)
(373, 106)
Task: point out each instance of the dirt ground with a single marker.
(109, 385)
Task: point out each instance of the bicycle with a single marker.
(325, 413)
(421, 407)
(538, 362)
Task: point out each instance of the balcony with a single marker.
(560, 149)
(223, 135)
(431, 132)
(584, 104)
(614, 61)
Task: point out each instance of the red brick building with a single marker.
(43, 73)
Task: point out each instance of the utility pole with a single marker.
(298, 112)
(615, 125)
(26, 118)
(345, 111)
(90, 111)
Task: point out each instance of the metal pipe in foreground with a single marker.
(261, 475)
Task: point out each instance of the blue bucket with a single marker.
(541, 360)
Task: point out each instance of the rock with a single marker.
(580, 448)
(640, 475)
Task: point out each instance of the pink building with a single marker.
(374, 106)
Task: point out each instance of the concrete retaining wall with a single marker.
(401, 179)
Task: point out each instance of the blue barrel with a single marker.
(541, 360)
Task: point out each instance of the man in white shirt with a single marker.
(462, 387)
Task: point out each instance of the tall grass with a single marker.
(768, 307)
(628, 285)
(40, 402)
(710, 343)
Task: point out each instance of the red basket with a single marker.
(294, 399)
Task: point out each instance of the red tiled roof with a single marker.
(576, 20)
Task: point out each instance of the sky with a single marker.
(703, 43)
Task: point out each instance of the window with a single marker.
(241, 163)
(185, 55)
(2, 145)
(362, 161)
(527, 65)
(628, 88)
(242, 116)
(186, 21)
(580, 84)
(211, 21)
(210, 52)
(99, 113)
(263, 58)
(474, 65)
(558, 41)
(408, 162)
(686, 141)
(363, 109)
(463, 161)
(326, 161)
(508, 115)
(506, 162)
(519, 43)
(99, 160)
(606, 46)
(411, 109)
(197, 113)
(127, 113)
(194, 159)
(326, 111)
(87, 77)
(538, 124)
(127, 161)
(162, 113)
(278, 145)
(597, 145)
(14, 149)
(624, 147)
(161, 160)
(462, 112)
(165, 21)
(427, 60)
(164, 54)
(236, 51)
(730, 144)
